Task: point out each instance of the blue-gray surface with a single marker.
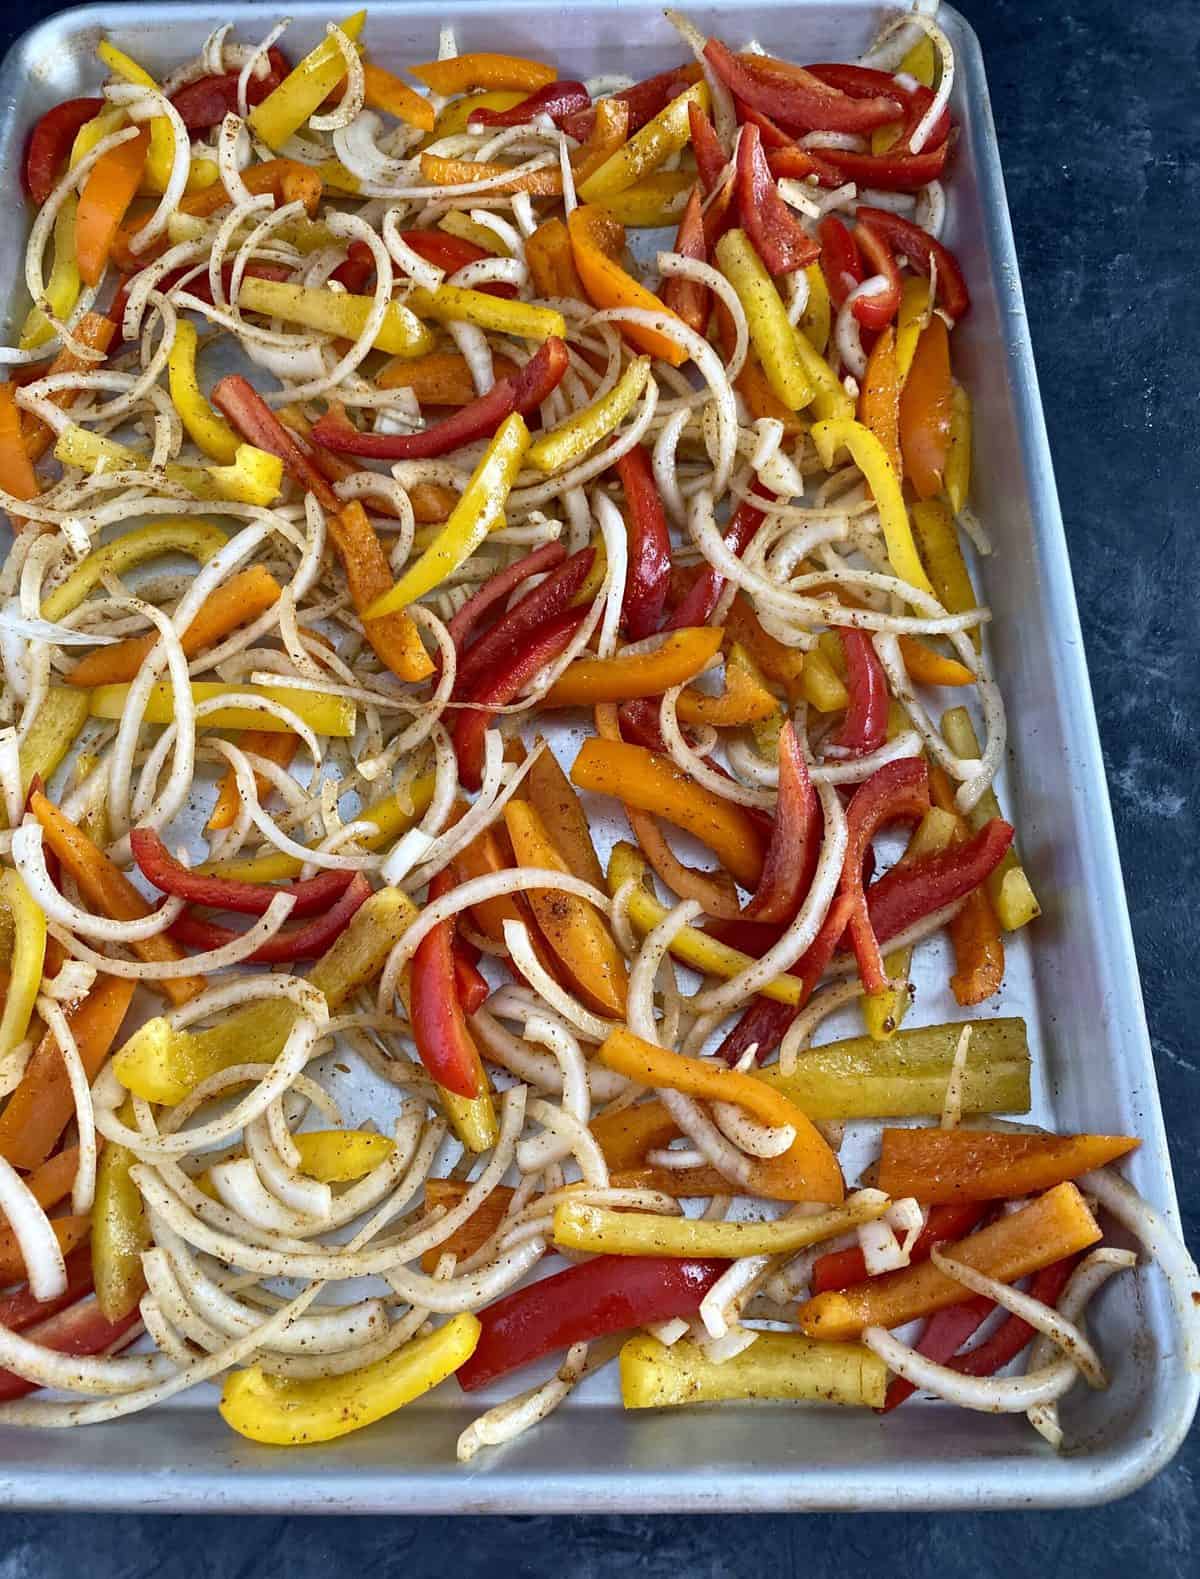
(1101, 143)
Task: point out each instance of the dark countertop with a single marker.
(1094, 100)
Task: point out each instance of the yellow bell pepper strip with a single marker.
(543, 182)
(279, 749)
(93, 330)
(452, 119)
(871, 459)
(651, 782)
(879, 398)
(62, 288)
(197, 538)
(656, 202)
(680, 658)
(339, 313)
(807, 1171)
(95, 131)
(106, 889)
(395, 638)
(337, 1156)
(573, 928)
(254, 478)
(597, 242)
(815, 320)
(17, 476)
(120, 1230)
(479, 511)
(497, 314)
(585, 429)
(745, 699)
(290, 1413)
(52, 734)
(552, 795)
(906, 1076)
(387, 93)
(462, 73)
(777, 1365)
(697, 949)
(772, 336)
(921, 61)
(28, 959)
(957, 476)
(207, 430)
(160, 159)
(821, 685)
(162, 1065)
(937, 539)
(653, 145)
(830, 399)
(333, 716)
(945, 1166)
(110, 187)
(239, 600)
(304, 89)
(1052, 1227)
(601, 1231)
(914, 308)
(1008, 886)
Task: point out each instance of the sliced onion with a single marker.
(40, 1250)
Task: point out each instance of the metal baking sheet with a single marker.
(1075, 979)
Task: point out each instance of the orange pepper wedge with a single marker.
(546, 182)
(469, 1236)
(879, 398)
(975, 933)
(277, 748)
(17, 476)
(649, 781)
(928, 667)
(464, 73)
(387, 93)
(551, 261)
(552, 795)
(93, 330)
(110, 187)
(744, 700)
(807, 1171)
(924, 412)
(679, 659)
(395, 637)
(945, 1166)
(610, 129)
(69, 1231)
(597, 241)
(440, 378)
(287, 180)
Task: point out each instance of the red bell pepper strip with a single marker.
(838, 1269)
(497, 588)
(206, 102)
(439, 1027)
(689, 299)
(876, 312)
(793, 96)
(20, 1309)
(503, 686)
(800, 163)
(312, 894)
(895, 792)
(773, 136)
(290, 943)
(909, 892)
(711, 158)
(257, 423)
(589, 1300)
(1014, 1333)
(779, 238)
(887, 172)
(50, 142)
(547, 601)
(841, 261)
(523, 393)
(701, 597)
(643, 101)
(649, 540)
(80, 1329)
(941, 1337)
(863, 82)
(452, 253)
(791, 858)
(469, 983)
(864, 728)
(357, 269)
(639, 721)
(918, 246)
(558, 100)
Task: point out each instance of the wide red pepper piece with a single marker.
(799, 163)
(701, 598)
(523, 393)
(549, 598)
(643, 101)
(689, 299)
(778, 236)
(21, 1309)
(918, 246)
(794, 97)
(841, 261)
(80, 1329)
(503, 686)
(206, 102)
(898, 791)
(290, 943)
(558, 100)
(590, 1300)
(649, 544)
(443, 1040)
(50, 143)
(877, 311)
(792, 854)
(915, 889)
(863, 82)
(886, 172)
(864, 728)
(312, 894)
(258, 425)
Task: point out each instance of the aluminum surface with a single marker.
(1076, 983)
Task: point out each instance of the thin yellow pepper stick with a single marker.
(28, 957)
(400, 334)
(62, 288)
(458, 304)
(120, 1229)
(666, 134)
(937, 538)
(779, 1365)
(206, 427)
(830, 399)
(334, 716)
(52, 734)
(304, 89)
(772, 336)
(1008, 885)
(816, 318)
(585, 429)
(161, 157)
(869, 455)
(197, 538)
(957, 476)
(911, 319)
(254, 478)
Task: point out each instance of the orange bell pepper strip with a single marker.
(610, 128)
(395, 637)
(1051, 1227)
(107, 890)
(93, 330)
(574, 929)
(52, 1181)
(552, 262)
(546, 182)
(17, 476)
(491, 852)
(42, 1105)
(807, 1171)
(387, 93)
(777, 661)
(464, 73)
(552, 795)
(975, 934)
(441, 378)
(597, 241)
(108, 191)
(242, 598)
(925, 410)
(945, 1166)
(681, 658)
(879, 398)
(651, 782)
(469, 1236)
(625, 1137)
(927, 667)
(69, 1231)
(287, 180)
(745, 699)
(277, 748)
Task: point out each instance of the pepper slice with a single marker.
(50, 143)
(925, 404)
(649, 544)
(702, 596)
(641, 103)
(498, 587)
(585, 429)
(27, 961)
(771, 333)
(837, 1269)
(110, 187)
(871, 459)
(290, 943)
(778, 237)
(304, 89)
(597, 241)
(443, 1040)
(920, 248)
(680, 658)
(951, 1165)
(556, 99)
(841, 261)
(897, 791)
(879, 398)
(206, 102)
(663, 135)
(864, 728)
(793, 96)
(791, 858)
(551, 597)
(689, 299)
(312, 895)
(877, 311)
(81, 1329)
(913, 890)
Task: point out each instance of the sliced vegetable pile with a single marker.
(350, 451)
